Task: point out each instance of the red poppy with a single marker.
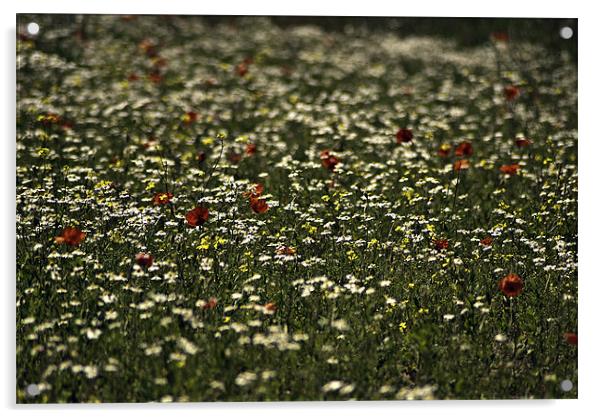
(270, 307)
(441, 244)
(464, 149)
(511, 92)
(329, 161)
(133, 77)
(201, 156)
(144, 260)
(461, 165)
(70, 236)
(487, 241)
(189, 117)
(50, 119)
(234, 157)
(511, 285)
(444, 150)
(151, 51)
(210, 304)
(571, 338)
(259, 205)
(162, 198)
(500, 36)
(155, 77)
(148, 48)
(509, 168)
(251, 149)
(258, 189)
(404, 135)
(149, 143)
(523, 142)
(285, 250)
(197, 216)
(255, 191)
(242, 69)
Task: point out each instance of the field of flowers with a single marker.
(237, 211)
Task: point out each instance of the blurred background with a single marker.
(550, 33)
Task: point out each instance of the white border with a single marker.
(590, 242)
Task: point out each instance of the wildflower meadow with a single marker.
(238, 210)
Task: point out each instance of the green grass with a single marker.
(366, 305)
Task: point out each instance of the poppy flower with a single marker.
(254, 192)
(464, 149)
(461, 165)
(487, 241)
(511, 285)
(270, 307)
(144, 260)
(444, 150)
(329, 161)
(66, 125)
(149, 143)
(404, 135)
(571, 338)
(509, 169)
(201, 156)
(49, 119)
(500, 36)
(285, 250)
(155, 77)
(234, 157)
(133, 77)
(70, 236)
(242, 69)
(210, 304)
(511, 92)
(162, 198)
(251, 149)
(189, 117)
(151, 51)
(523, 142)
(259, 205)
(197, 216)
(441, 244)
(148, 48)
(258, 189)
